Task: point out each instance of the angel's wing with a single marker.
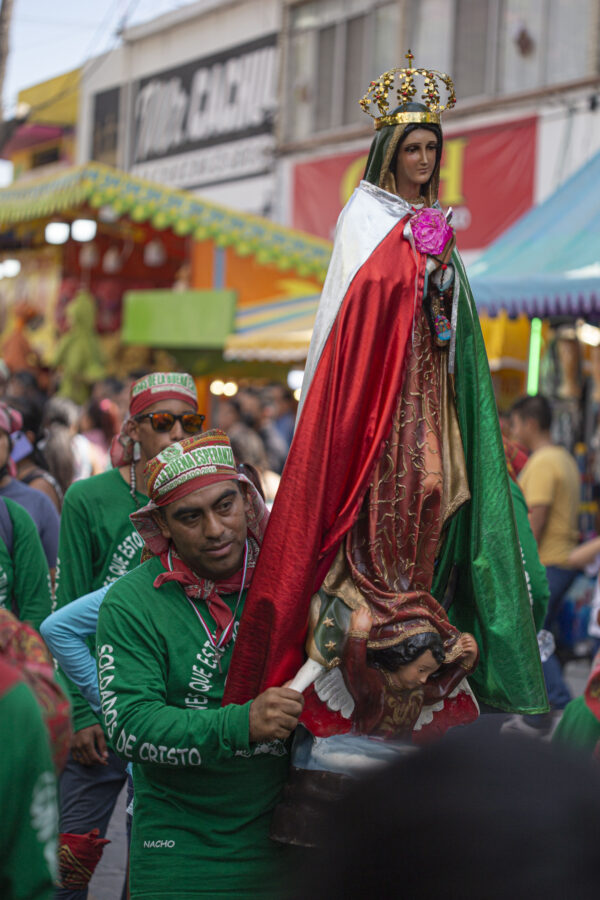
(331, 689)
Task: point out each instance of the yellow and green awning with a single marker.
(276, 330)
(97, 185)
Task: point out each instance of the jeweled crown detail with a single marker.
(402, 80)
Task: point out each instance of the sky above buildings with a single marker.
(49, 38)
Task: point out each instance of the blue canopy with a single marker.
(548, 262)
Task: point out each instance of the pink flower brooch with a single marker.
(431, 231)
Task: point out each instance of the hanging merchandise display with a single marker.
(78, 356)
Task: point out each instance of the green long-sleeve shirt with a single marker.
(203, 794)
(24, 576)
(97, 545)
(29, 820)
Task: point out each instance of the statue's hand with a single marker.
(361, 620)
(469, 650)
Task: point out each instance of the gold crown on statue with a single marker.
(403, 80)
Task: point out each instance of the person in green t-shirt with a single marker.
(24, 575)
(97, 545)
(29, 820)
(207, 777)
(580, 722)
(578, 727)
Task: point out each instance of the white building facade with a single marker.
(189, 100)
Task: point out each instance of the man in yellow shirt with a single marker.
(551, 484)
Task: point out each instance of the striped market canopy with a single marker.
(96, 185)
(277, 330)
(548, 262)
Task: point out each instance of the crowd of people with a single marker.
(71, 478)
(135, 681)
(260, 425)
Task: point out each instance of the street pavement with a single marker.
(576, 675)
(109, 877)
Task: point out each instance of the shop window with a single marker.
(325, 96)
(45, 157)
(545, 42)
(473, 69)
(334, 49)
(498, 47)
(430, 29)
(573, 31)
(105, 133)
(490, 47)
(354, 67)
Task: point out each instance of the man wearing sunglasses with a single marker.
(97, 545)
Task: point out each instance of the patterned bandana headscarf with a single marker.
(179, 469)
(144, 393)
(188, 465)
(22, 647)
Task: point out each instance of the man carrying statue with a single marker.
(206, 778)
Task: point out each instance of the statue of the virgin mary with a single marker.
(395, 495)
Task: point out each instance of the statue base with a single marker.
(322, 770)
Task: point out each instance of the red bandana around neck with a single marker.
(197, 588)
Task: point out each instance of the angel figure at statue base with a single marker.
(402, 683)
(391, 687)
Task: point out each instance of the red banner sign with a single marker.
(487, 177)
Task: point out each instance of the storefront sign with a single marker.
(487, 177)
(210, 120)
(239, 159)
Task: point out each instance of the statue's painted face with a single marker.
(415, 161)
(415, 673)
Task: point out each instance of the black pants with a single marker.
(88, 795)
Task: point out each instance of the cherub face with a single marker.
(415, 673)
